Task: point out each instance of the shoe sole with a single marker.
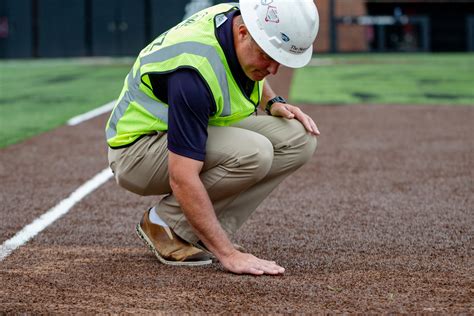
(147, 242)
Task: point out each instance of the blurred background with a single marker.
(59, 59)
(78, 28)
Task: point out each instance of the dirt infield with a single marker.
(380, 220)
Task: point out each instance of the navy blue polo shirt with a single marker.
(190, 100)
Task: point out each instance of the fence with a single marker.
(58, 28)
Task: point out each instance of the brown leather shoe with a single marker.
(168, 247)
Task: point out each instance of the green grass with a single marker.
(386, 79)
(39, 95)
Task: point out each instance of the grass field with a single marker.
(39, 95)
(387, 79)
(36, 96)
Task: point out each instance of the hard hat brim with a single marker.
(288, 59)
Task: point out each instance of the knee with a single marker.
(310, 143)
(298, 147)
(257, 158)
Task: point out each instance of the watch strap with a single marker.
(270, 102)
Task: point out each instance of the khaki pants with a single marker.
(243, 164)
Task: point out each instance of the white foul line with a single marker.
(31, 230)
(91, 114)
(39, 224)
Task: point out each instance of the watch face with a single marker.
(277, 99)
(280, 99)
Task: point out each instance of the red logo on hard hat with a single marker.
(272, 15)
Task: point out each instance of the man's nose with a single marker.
(273, 67)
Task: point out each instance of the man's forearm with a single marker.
(267, 94)
(197, 207)
(199, 212)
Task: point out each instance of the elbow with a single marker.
(176, 182)
(183, 173)
(181, 182)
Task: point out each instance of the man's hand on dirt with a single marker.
(245, 263)
(290, 111)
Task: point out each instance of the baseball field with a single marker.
(381, 220)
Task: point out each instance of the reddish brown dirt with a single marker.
(380, 220)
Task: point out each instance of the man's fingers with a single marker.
(314, 127)
(289, 112)
(267, 267)
(255, 271)
(249, 264)
(306, 123)
(285, 112)
(259, 270)
(303, 118)
(271, 267)
(309, 124)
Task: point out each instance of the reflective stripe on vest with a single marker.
(191, 44)
(161, 111)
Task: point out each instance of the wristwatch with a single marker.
(278, 99)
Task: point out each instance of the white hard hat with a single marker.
(284, 29)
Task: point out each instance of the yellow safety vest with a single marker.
(191, 44)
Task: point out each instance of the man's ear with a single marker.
(243, 32)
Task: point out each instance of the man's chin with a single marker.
(258, 77)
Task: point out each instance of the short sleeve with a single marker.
(190, 105)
